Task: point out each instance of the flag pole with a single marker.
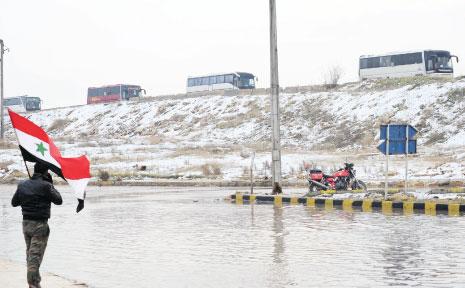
(27, 169)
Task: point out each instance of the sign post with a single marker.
(406, 158)
(387, 164)
(397, 140)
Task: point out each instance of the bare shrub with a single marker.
(436, 137)
(162, 109)
(211, 169)
(4, 165)
(244, 154)
(245, 171)
(59, 124)
(155, 139)
(230, 124)
(103, 175)
(4, 144)
(332, 76)
(177, 118)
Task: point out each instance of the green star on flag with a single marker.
(41, 148)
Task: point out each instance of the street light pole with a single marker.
(2, 51)
(276, 142)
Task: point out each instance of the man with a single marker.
(35, 197)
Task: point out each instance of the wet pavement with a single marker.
(181, 237)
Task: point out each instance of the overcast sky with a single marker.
(58, 48)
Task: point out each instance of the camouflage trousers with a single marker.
(36, 235)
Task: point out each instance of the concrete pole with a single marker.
(275, 138)
(2, 50)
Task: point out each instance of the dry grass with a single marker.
(230, 123)
(200, 151)
(5, 144)
(87, 144)
(211, 169)
(436, 137)
(4, 165)
(112, 159)
(59, 124)
(103, 175)
(155, 139)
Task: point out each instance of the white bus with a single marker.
(406, 64)
(22, 104)
(223, 81)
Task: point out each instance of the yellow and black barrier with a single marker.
(428, 207)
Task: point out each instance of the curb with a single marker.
(365, 205)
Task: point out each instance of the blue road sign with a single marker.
(398, 139)
(397, 132)
(397, 147)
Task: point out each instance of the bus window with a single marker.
(229, 79)
(212, 80)
(220, 79)
(363, 63)
(114, 90)
(11, 101)
(373, 62)
(385, 61)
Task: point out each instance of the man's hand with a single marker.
(80, 205)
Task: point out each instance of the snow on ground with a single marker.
(213, 136)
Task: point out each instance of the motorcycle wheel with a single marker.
(312, 188)
(359, 184)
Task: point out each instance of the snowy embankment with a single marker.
(213, 136)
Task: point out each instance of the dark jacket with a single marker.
(34, 196)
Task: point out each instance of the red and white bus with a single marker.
(113, 93)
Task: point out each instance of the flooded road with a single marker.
(181, 237)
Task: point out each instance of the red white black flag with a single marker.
(37, 146)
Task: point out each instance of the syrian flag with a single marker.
(37, 146)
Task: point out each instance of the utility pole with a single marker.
(2, 51)
(275, 138)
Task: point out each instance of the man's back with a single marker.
(35, 196)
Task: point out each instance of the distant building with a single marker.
(222, 81)
(113, 93)
(405, 64)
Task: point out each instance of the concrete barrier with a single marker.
(408, 207)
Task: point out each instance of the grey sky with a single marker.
(61, 47)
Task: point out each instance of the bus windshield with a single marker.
(443, 62)
(246, 81)
(438, 60)
(32, 103)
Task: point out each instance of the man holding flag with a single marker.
(36, 194)
(35, 197)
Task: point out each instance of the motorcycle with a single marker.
(342, 179)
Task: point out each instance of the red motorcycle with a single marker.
(342, 179)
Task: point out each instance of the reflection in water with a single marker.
(279, 265)
(182, 237)
(402, 257)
